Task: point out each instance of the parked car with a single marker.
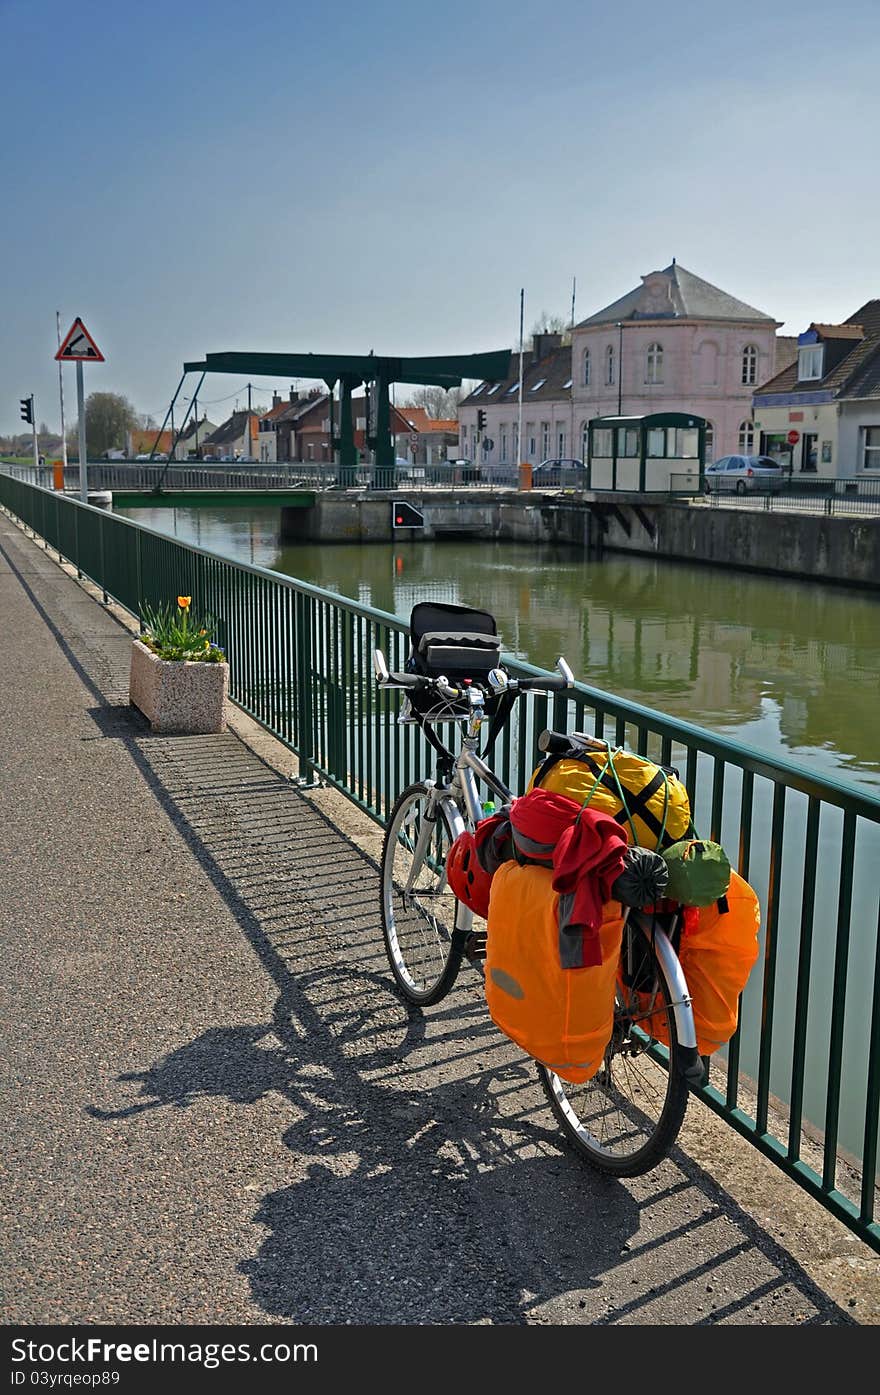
(561, 470)
(465, 471)
(744, 474)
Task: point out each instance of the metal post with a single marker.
(36, 444)
(620, 367)
(571, 450)
(384, 473)
(81, 410)
(61, 392)
(519, 435)
(347, 449)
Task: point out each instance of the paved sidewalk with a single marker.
(217, 1110)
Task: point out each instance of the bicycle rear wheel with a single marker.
(625, 1119)
(418, 907)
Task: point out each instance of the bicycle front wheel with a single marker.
(418, 907)
(625, 1119)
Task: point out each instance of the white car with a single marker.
(744, 474)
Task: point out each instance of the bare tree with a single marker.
(549, 324)
(440, 403)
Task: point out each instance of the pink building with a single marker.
(676, 344)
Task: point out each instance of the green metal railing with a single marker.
(801, 1078)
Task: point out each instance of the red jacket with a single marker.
(585, 848)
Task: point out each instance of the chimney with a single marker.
(276, 399)
(543, 343)
(293, 395)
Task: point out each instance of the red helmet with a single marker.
(465, 875)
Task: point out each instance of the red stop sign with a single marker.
(793, 437)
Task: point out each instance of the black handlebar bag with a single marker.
(455, 642)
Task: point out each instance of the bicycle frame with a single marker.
(468, 768)
(680, 998)
(425, 961)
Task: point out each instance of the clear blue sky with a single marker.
(206, 176)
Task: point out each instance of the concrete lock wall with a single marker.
(514, 518)
(845, 550)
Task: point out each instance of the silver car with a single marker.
(744, 474)
(560, 472)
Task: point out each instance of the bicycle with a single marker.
(623, 1120)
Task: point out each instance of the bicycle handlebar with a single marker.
(498, 681)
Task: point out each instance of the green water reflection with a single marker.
(790, 667)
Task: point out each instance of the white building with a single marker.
(821, 414)
(674, 344)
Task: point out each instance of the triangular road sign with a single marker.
(79, 346)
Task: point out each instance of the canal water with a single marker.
(790, 667)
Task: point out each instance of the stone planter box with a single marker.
(181, 698)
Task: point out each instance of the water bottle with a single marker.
(488, 808)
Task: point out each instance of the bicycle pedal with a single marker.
(475, 945)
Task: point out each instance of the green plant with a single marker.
(174, 632)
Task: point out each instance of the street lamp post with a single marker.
(620, 367)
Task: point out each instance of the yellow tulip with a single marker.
(183, 602)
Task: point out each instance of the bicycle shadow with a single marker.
(407, 1205)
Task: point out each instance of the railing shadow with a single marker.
(425, 1183)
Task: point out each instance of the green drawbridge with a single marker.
(349, 371)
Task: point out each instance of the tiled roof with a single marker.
(277, 411)
(552, 372)
(230, 429)
(846, 331)
(687, 297)
(419, 420)
(151, 440)
(847, 377)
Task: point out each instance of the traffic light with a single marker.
(27, 409)
(481, 419)
(406, 516)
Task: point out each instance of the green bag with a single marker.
(699, 872)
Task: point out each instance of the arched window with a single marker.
(750, 364)
(586, 373)
(710, 442)
(655, 364)
(609, 365)
(746, 437)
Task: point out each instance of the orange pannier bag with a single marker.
(717, 952)
(562, 1017)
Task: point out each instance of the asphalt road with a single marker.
(217, 1110)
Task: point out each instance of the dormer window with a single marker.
(810, 362)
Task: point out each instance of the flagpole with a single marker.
(519, 424)
(572, 450)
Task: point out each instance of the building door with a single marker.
(809, 452)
